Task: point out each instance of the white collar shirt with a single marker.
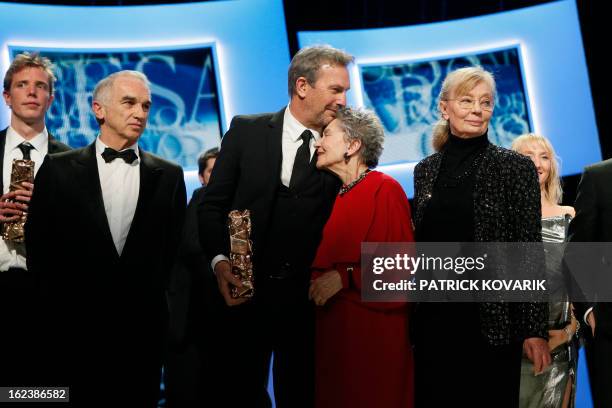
(120, 184)
(292, 130)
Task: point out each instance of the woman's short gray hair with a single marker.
(363, 125)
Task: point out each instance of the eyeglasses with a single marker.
(468, 103)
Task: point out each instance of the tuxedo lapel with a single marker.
(275, 149)
(53, 146)
(149, 179)
(86, 170)
(2, 145)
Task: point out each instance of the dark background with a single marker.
(314, 15)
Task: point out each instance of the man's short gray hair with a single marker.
(308, 60)
(363, 125)
(101, 92)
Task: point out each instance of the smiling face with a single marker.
(322, 99)
(29, 96)
(469, 121)
(123, 113)
(332, 146)
(541, 157)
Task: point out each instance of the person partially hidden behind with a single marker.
(593, 223)
(29, 84)
(206, 163)
(192, 367)
(103, 233)
(555, 387)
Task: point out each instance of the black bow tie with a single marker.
(128, 155)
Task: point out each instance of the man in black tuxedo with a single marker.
(102, 237)
(28, 91)
(267, 165)
(593, 223)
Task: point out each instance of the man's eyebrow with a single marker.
(128, 98)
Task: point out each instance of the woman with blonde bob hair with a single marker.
(541, 152)
(554, 388)
(473, 191)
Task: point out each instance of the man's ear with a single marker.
(98, 110)
(301, 87)
(7, 98)
(51, 99)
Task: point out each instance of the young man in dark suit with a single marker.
(267, 165)
(102, 237)
(593, 223)
(28, 92)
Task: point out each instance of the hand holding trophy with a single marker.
(241, 251)
(22, 171)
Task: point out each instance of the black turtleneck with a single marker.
(449, 216)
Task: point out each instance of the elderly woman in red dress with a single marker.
(363, 353)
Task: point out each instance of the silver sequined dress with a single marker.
(547, 389)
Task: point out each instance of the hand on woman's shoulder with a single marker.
(568, 209)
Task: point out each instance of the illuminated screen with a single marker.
(535, 53)
(184, 119)
(207, 62)
(404, 96)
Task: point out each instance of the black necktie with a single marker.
(128, 155)
(25, 148)
(302, 160)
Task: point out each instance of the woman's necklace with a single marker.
(346, 187)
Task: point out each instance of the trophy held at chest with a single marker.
(241, 252)
(23, 170)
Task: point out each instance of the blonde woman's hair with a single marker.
(458, 83)
(552, 185)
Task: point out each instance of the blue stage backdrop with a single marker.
(535, 53)
(185, 116)
(207, 62)
(404, 96)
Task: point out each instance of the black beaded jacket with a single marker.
(506, 209)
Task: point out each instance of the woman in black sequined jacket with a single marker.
(474, 191)
(507, 208)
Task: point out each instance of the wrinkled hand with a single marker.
(536, 350)
(324, 287)
(225, 281)
(13, 204)
(591, 321)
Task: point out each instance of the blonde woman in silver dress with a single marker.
(554, 387)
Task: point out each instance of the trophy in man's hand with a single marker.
(239, 223)
(23, 170)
